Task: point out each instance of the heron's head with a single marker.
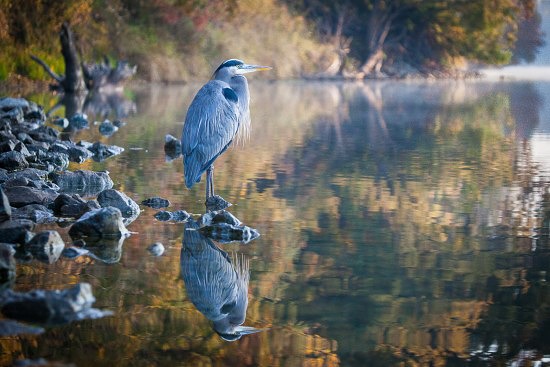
(232, 67)
(232, 333)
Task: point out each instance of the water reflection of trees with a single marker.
(417, 222)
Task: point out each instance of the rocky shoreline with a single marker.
(37, 188)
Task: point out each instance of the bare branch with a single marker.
(41, 62)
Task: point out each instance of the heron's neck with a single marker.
(240, 85)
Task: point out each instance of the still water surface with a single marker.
(400, 222)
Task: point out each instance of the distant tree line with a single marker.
(425, 33)
(171, 39)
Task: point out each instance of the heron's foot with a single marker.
(216, 202)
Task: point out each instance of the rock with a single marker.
(59, 161)
(128, 207)
(20, 196)
(44, 133)
(7, 146)
(163, 216)
(35, 212)
(102, 151)
(180, 216)
(13, 161)
(61, 122)
(217, 217)
(5, 208)
(216, 202)
(156, 249)
(8, 103)
(172, 147)
(78, 154)
(99, 223)
(156, 202)
(46, 246)
(7, 263)
(177, 216)
(78, 121)
(17, 181)
(119, 123)
(86, 183)
(107, 128)
(226, 233)
(74, 152)
(22, 148)
(16, 231)
(32, 174)
(73, 206)
(51, 307)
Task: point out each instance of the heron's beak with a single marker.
(246, 330)
(243, 69)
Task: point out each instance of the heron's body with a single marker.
(214, 117)
(216, 284)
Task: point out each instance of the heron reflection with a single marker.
(216, 284)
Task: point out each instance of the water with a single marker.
(400, 222)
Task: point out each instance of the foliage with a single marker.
(424, 33)
(179, 40)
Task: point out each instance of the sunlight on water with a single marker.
(399, 222)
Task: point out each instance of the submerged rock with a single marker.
(61, 122)
(156, 202)
(78, 121)
(172, 147)
(102, 151)
(156, 249)
(20, 196)
(51, 307)
(46, 246)
(128, 207)
(73, 206)
(163, 216)
(107, 128)
(226, 233)
(99, 223)
(86, 183)
(217, 217)
(177, 216)
(216, 202)
(224, 227)
(36, 212)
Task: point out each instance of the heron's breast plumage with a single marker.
(210, 125)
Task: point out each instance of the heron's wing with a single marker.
(211, 124)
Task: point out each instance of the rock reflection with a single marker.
(215, 283)
(97, 104)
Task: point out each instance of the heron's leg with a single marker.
(209, 182)
(212, 180)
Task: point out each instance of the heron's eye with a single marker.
(228, 307)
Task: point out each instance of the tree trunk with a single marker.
(374, 62)
(73, 81)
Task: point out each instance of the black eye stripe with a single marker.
(229, 63)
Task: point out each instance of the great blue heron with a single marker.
(213, 119)
(216, 284)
